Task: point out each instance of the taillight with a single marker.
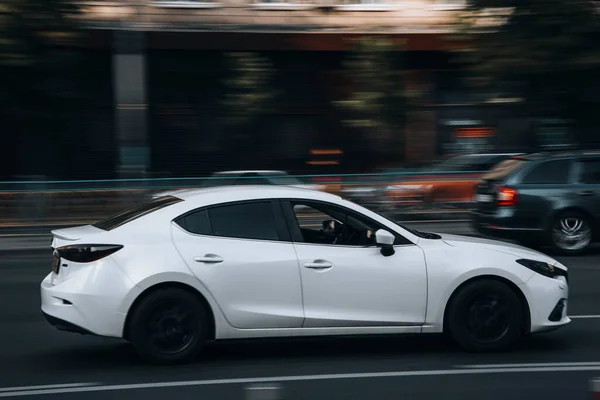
(507, 196)
(85, 253)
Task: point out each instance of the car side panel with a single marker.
(257, 283)
(449, 267)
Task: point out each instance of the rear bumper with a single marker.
(87, 298)
(66, 326)
(503, 226)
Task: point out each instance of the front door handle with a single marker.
(209, 259)
(318, 264)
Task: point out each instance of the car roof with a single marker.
(559, 154)
(255, 191)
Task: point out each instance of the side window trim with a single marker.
(294, 225)
(282, 231)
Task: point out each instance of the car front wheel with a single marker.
(486, 316)
(168, 326)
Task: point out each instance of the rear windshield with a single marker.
(135, 212)
(503, 169)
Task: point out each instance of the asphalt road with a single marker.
(34, 354)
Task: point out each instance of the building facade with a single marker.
(156, 70)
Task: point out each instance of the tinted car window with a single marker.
(590, 172)
(549, 172)
(245, 221)
(196, 223)
(135, 212)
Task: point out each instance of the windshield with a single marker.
(137, 211)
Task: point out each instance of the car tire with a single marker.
(569, 226)
(486, 316)
(168, 326)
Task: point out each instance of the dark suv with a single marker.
(542, 199)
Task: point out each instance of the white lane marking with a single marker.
(584, 316)
(396, 374)
(41, 387)
(532, 365)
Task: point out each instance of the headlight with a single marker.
(542, 268)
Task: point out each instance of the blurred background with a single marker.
(399, 105)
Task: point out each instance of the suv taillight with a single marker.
(85, 253)
(507, 196)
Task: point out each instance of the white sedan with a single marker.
(248, 262)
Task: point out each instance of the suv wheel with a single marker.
(571, 233)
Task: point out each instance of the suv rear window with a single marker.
(135, 212)
(549, 172)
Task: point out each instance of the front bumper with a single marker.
(548, 302)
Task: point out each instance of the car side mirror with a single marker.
(385, 240)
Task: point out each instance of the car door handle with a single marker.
(586, 193)
(318, 264)
(209, 259)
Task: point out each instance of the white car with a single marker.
(266, 261)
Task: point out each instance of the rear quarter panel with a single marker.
(149, 257)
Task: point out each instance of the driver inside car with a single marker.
(345, 234)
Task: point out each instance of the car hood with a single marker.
(499, 246)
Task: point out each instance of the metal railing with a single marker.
(25, 203)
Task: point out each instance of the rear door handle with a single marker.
(209, 259)
(318, 264)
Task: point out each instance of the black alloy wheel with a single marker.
(486, 315)
(168, 326)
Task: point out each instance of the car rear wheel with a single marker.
(168, 326)
(571, 233)
(485, 316)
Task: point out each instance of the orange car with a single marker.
(451, 181)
